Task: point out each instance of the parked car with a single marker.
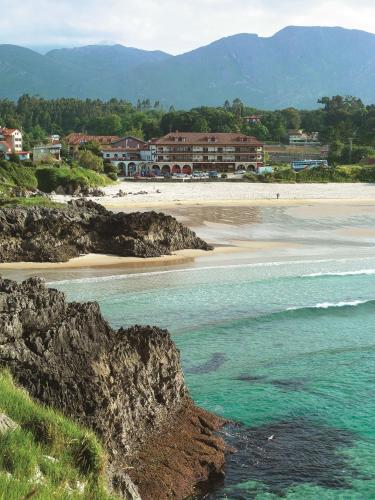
(149, 174)
(213, 174)
(240, 172)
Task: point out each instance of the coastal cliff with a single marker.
(41, 234)
(126, 385)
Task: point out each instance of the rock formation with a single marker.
(41, 234)
(126, 385)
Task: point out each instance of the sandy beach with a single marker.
(230, 193)
(231, 217)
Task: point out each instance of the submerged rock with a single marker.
(126, 385)
(41, 234)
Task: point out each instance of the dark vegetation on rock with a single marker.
(126, 385)
(41, 234)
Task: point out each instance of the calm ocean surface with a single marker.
(284, 347)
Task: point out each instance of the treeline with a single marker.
(339, 120)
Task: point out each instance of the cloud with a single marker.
(169, 25)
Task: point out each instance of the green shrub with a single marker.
(285, 174)
(366, 174)
(49, 178)
(87, 159)
(111, 171)
(251, 177)
(12, 174)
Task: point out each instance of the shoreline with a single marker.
(291, 202)
(98, 261)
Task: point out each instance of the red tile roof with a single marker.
(7, 131)
(75, 139)
(207, 138)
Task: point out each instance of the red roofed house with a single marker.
(130, 154)
(75, 140)
(10, 140)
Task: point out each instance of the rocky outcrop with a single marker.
(127, 385)
(41, 234)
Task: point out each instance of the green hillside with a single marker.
(292, 68)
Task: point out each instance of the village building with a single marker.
(10, 140)
(184, 152)
(252, 119)
(21, 155)
(75, 140)
(301, 138)
(46, 152)
(130, 154)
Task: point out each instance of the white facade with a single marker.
(13, 138)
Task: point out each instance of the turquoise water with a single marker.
(286, 349)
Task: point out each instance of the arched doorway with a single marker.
(166, 169)
(251, 168)
(122, 168)
(156, 169)
(176, 169)
(132, 168)
(241, 167)
(186, 169)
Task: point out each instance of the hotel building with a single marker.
(184, 152)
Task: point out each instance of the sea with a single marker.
(280, 341)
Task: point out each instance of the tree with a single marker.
(238, 107)
(89, 160)
(292, 118)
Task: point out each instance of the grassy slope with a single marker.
(69, 457)
(46, 178)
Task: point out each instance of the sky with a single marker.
(170, 25)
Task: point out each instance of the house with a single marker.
(22, 155)
(252, 119)
(299, 137)
(130, 154)
(76, 140)
(10, 140)
(47, 151)
(183, 152)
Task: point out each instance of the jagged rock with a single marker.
(121, 484)
(41, 234)
(126, 385)
(7, 424)
(60, 190)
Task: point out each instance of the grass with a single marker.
(47, 178)
(48, 456)
(35, 201)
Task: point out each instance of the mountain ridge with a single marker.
(294, 67)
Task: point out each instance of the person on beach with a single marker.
(278, 196)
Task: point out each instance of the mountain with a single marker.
(294, 67)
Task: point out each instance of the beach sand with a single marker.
(217, 211)
(230, 193)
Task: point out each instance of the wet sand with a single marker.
(112, 261)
